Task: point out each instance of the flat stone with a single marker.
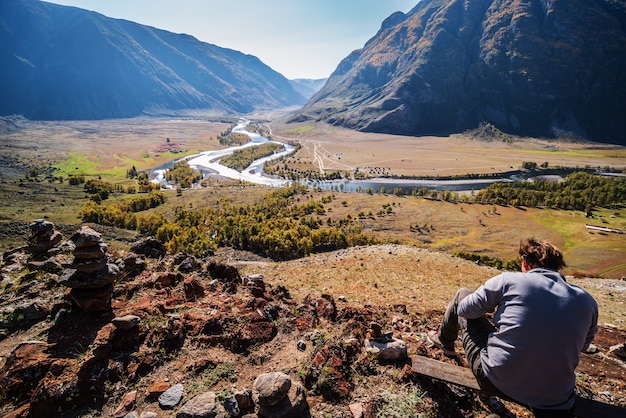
(126, 406)
(91, 253)
(86, 237)
(157, 388)
(75, 279)
(126, 322)
(204, 405)
(394, 350)
(172, 396)
(88, 266)
(41, 225)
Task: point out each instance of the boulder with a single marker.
(204, 405)
(292, 405)
(172, 396)
(270, 388)
(150, 247)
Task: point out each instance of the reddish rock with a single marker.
(406, 374)
(57, 393)
(168, 279)
(306, 318)
(156, 389)
(324, 306)
(23, 369)
(193, 289)
(327, 375)
(254, 333)
(126, 405)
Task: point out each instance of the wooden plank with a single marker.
(584, 407)
(445, 371)
(590, 408)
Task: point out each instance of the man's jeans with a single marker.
(474, 334)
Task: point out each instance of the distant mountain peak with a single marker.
(529, 67)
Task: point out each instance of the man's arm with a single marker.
(484, 300)
(593, 327)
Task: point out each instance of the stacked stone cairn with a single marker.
(89, 276)
(43, 238)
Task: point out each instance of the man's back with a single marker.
(543, 324)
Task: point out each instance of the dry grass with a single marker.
(391, 275)
(343, 149)
(384, 275)
(109, 148)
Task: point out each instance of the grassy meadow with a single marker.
(107, 149)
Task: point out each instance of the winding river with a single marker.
(209, 164)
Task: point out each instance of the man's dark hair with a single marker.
(541, 254)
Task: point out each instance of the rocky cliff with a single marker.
(529, 67)
(66, 63)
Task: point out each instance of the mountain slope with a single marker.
(530, 67)
(66, 63)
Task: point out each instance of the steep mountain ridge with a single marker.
(67, 63)
(530, 67)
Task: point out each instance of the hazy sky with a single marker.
(297, 38)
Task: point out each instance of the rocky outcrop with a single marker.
(207, 340)
(150, 247)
